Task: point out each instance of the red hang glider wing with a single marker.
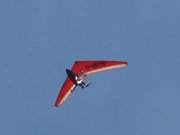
(85, 68)
(90, 67)
(64, 92)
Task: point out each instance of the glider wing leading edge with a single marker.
(81, 69)
(90, 67)
(65, 91)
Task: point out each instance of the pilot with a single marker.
(80, 82)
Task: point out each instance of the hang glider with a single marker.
(79, 71)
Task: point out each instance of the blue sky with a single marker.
(40, 38)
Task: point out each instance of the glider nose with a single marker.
(68, 71)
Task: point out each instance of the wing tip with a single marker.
(126, 63)
(56, 105)
(123, 63)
